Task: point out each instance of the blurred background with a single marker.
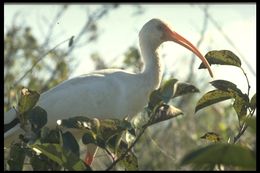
(106, 36)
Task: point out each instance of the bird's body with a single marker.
(103, 92)
(110, 93)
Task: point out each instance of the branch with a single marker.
(133, 144)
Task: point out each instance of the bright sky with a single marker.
(119, 30)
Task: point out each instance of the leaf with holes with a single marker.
(212, 97)
(240, 106)
(211, 136)
(222, 57)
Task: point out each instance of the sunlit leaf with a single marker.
(220, 153)
(167, 90)
(165, 112)
(253, 102)
(27, 100)
(63, 157)
(222, 57)
(211, 136)
(212, 97)
(80, 122)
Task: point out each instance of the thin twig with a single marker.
(133, 144)
(125, 153)
(41, 58)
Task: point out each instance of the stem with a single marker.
(110, 154)
(246, 80)
(243, 127)
(133, 144)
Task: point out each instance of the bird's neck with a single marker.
(153, 68)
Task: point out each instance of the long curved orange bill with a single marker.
(182, 41)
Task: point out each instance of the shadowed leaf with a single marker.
(17, 156)
(38, 118)
(226, 154)
(253, 102)
(184, 88)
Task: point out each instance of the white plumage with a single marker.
(110, 93)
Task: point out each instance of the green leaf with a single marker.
(226, 154)
(223, 85)
(27, 100)
(70, 143)
(50, 136)
(89, 138)
(222, 57)
(229, 86)
(251, 122)
(211, 136)
(212, 97)
(155, 99)
(17, 156)
(81, 122)
(184, 88)
(130, 162)
(38, 118)
(253, 102)
(165, 112)
(167, 90)
(240, 106)
(63, 157)
(241, 100)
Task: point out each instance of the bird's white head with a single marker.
(156, 32)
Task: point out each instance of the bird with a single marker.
(109, 93)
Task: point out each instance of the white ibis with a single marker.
(109, 93)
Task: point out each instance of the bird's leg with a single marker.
(91, 151)
(89, 158)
